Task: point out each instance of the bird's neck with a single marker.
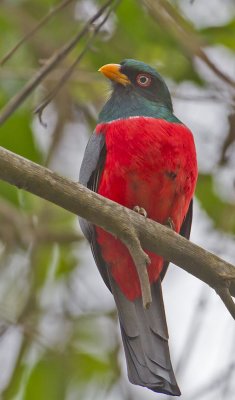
(131, 105)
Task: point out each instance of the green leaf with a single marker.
(87, 367)
(221, 34)
(43, 260)
(9, 192)
(66, 263)
(222, 213)
(16, 135)
(47, 380)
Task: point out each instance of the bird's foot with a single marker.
(170, 224)
(141, 211)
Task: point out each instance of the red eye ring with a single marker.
(143, 80)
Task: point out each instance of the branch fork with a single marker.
(134, 231)
(224, 294)
(141, 260)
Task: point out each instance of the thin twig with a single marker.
(226, 389)
(226, 298)
(85, 76)
(193, 333)
(200, 98)
(24, 230)
(141, 261)
(166, 15)
(39, 109)
(64, 78)
(46, 236)
(120, 222)
(39, 25)
(23, 94)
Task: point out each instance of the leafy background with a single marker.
(59, 335)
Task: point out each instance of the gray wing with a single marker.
(187, 223)
(90, 173)
(184, 231)
(93, 157)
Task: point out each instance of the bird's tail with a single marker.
(145, 339)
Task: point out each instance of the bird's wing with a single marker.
(90, 173)
(187, 222)
(93, 161)
(184, 231)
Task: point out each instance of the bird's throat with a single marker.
(125, 103)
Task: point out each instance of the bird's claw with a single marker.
(170, 224)
(141, 211)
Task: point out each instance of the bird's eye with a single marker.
(143, 80)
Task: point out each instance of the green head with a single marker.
(137, 90)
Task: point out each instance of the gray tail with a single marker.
(145, 339)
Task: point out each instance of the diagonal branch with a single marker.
(23, 94)
(167, 16)
(68, 73)
(121, 222)
(39, 25)
(226, 298)
(23, 230)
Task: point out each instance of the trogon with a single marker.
(142, 157)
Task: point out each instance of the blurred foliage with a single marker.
(222, 213)
(40, 244)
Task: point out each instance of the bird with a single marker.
(142, 157)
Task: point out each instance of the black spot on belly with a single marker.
(171, 175)
(134, 186)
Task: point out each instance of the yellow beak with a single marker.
(112, 71)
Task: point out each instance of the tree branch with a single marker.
(172, 21)
(68, 73)
(224, 294)
(127, 225)
(23, 94)
(39, 25)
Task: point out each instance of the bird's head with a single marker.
(138, 89)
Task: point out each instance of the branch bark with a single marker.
(129, 226)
